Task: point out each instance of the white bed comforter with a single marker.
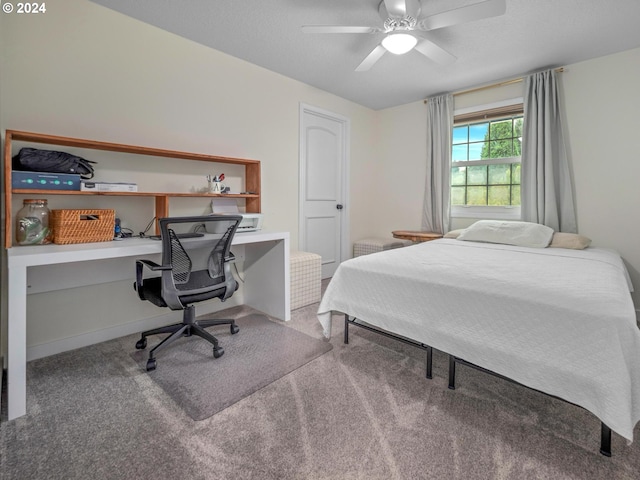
(557, 320)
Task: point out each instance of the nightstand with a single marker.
(416, 236)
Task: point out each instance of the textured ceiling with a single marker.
(533, 34)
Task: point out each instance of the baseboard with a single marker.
(91, 338)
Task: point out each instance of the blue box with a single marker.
(45, 180)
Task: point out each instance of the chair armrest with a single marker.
(151, 265)
(140, 264)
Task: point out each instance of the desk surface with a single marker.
(28, 256)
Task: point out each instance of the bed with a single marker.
(557, 320)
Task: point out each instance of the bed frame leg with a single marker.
(429, 362)
(452, 372)
(605, 441)
(346, 328)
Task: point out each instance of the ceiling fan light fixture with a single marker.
(399, 43)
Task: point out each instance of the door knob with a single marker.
(339, 207)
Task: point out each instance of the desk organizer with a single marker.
(82, 226)
(373, 245)
(306, 278)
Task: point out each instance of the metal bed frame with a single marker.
(605, 431)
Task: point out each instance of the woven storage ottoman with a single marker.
(373, 245)
(306, 278)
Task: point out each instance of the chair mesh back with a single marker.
(215, 262)
(179, 260)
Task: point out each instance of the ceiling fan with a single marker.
(404, 29)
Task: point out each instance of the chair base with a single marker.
(189, 326)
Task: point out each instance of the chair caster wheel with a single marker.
(234, 329)
(218, 352)
(151, 364)
(141, 344)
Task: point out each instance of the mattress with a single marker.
(557, 320)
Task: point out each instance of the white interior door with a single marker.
(324, 140)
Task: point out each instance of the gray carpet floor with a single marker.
(360, 411)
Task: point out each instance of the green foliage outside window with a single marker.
(496, 184)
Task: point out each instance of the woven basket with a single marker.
(82, 226)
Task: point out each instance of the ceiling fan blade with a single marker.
(434, 52)
(338, 29)
(372, 58)
(477, 11)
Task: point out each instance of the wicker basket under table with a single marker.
(82, 225)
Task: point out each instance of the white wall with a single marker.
(82, 70)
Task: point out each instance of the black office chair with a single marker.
(199, 272)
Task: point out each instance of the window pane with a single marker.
(478, 132)
(459, 153)
(460, 134)
(477, 175)
(500, 148)
(500, 174)
(487, 185)
(499, 195)
(515, 173)
(517, 127)
(515, 195)
(501, 129)
(457, 195)
(475, 150)
(458, 176)
(476, 195)
(517, 147)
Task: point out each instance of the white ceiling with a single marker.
(533, 34)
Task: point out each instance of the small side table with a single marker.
(416, 236)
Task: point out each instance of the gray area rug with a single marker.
(262, 352)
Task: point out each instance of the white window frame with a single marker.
(508, 212)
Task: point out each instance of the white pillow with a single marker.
(523, 234)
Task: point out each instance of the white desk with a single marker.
(266, 287)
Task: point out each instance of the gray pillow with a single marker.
(569, 240)
(453, 233)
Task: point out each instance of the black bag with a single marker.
(35, 160)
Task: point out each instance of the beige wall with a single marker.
(85, 71)
(403, 147)
(602, 102)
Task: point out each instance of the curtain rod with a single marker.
(495, 85)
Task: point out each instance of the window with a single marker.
(485, 168)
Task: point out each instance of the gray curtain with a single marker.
(546, 189)
(436, 209)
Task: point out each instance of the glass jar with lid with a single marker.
(32, 223)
